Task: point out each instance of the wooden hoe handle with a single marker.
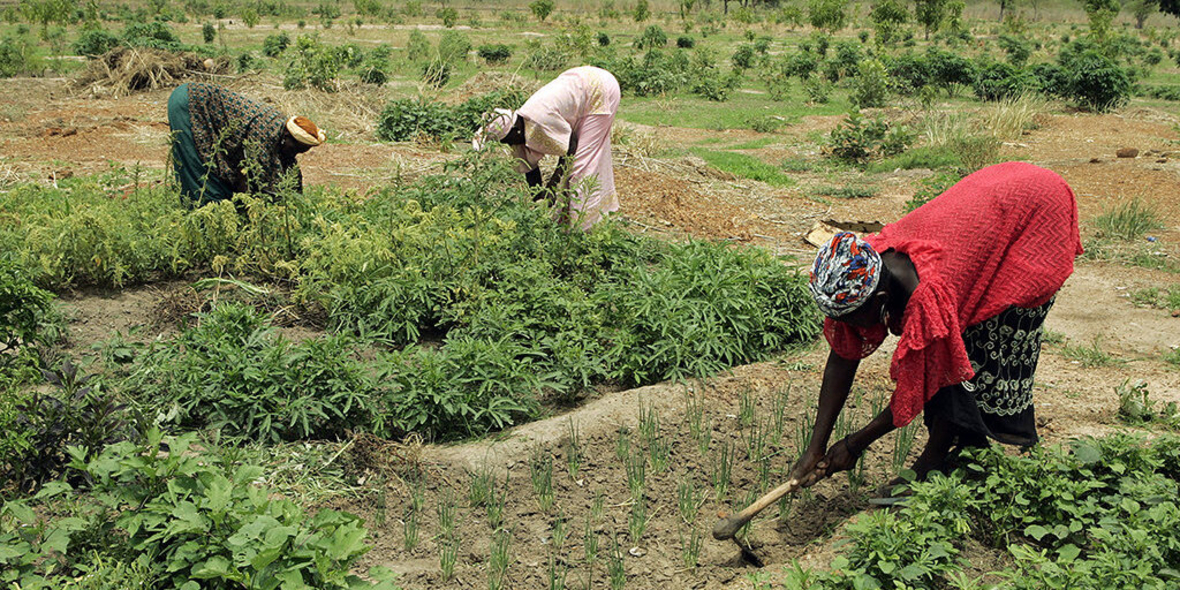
(726, 528)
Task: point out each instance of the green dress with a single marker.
(217, 133)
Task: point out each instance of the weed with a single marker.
(694, 413)
(846, 192)
(1088, 356)
(1136, 408)
(705, 438)
(1128, 220)
(804, 429)
(541, 474)
(745, 166)
(1173, 357)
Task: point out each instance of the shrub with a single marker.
(603, 39)
(653, 37)
(315, 64)
(407, 119)
(997, 80)
(949, 70)
(888, 16)
(685, 42)
(495, 54)
(800, 64)
(96, 42)
(870, 87)
(155, 35)
(26, 312)
(418, 48)
(743, 57)
(642, 11)
(541, 9)
(1017, 48)
(18, 55)
(817, 91)
(827, 15)
(274, 45)
(1128, 220)
(857, 139)
(375, 71)
(1097, 82)
(208, 33)
(931, 187)
(449, 17)
(545, 58)
(453, 47)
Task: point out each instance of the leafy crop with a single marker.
(407, 119)
(181, 516)
(858, 140)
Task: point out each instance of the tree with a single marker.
(1171, 7)
(642, 11)
(827, 15)
(1102, 14)
(1141, 9)
(542, 9)
(930, 13)
(888, 16)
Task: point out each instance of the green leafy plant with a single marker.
(315, 64)
(495, 54)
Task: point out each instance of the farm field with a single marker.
(407, 376)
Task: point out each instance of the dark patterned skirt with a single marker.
(997, 402)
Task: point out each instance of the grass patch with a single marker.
(744, 166)
(923, 157)
(695, 112)
(756, 144)
(1140, 254)
(1173, 358)
(1128, 220)
(1088, 356)
(799, 165)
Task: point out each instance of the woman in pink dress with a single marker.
(571, 118)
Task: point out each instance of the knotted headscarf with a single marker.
(496, 126)
(846, 273)
(304, 131)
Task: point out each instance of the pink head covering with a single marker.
(496, 126)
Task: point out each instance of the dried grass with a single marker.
(126, 70)
(1007, 119)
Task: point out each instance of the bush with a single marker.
(375, 71)
(603, 39)
(743, 58)
(18, 55)
(800, 64)
(495, 54)
(453, 47)
(95, 42)
(545, 58)
(1017, 48)
(449, 17)
(418, 48)
(208, 33)
(870, 88)
(155, 35)
(408, 119)
(817, 91)
(857, 140)
(26, 312)
(685, 42)
(1097, 82)
(274, 45)
(541, 9)
(653, 37)
(998, 80)
(315, 64)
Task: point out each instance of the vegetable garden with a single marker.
(408, 376)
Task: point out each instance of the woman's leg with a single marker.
(938, 446)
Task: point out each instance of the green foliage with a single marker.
(95, 42)
(1137, 408)
(745, 166)
(375, 71)
(1128, 220)
(408, 119)
(1097, 82)
(274, 45)
(208, 32)
(26, 311)
(448, 15)
(858, 140)
(930, 14)
(888, 18)
(870, 87)
(541, 9)
(827, 15)
(154, 35)
(453, 47)
(653, 37)
(495, 54)
(997, 80)
(75, 414)
(175, 515)
(234, 372)
(315, 64)
(642, 11)
(18, 56)
(418, 48)
(685, 42)
(743, 58)
(1017, 48)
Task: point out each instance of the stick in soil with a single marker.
(541, 473)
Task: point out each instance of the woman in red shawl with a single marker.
(965, 281)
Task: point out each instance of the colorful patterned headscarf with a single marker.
(496, 126)
(846, 273)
